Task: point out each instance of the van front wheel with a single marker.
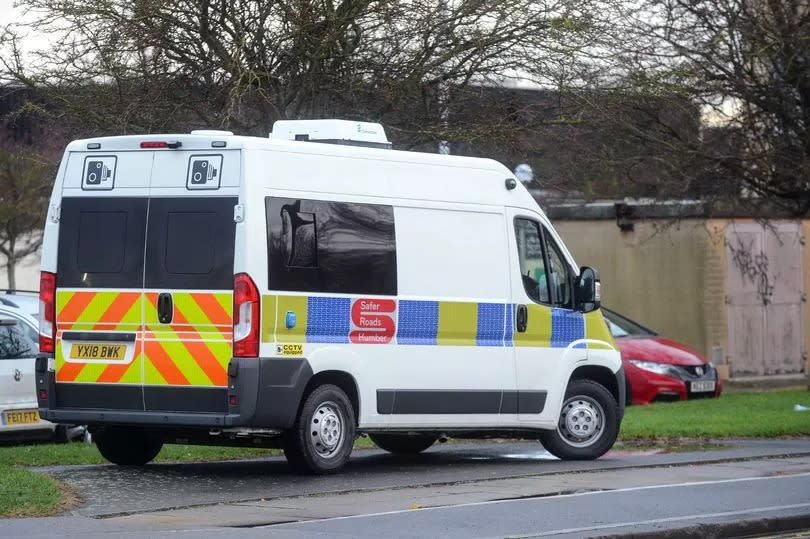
(127, 446)
(403, 444)
(322, 438)
(588, 424)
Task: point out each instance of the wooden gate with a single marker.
(764, 297)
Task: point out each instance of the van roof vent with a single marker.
(345, 132)
(212, 132)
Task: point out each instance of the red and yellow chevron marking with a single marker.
(196, 347)
(193, 350)
(90, 310)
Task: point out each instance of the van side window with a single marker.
(298, 230)
(337, 247)
(559, 274)
(532, 260)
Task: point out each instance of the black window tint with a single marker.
(532, 260)
(101, 241)
(560, 277)
(185, 253)
(16, 343)
(299, 234)
(190, 243)
(338, 247)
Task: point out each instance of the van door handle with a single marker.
(165, 308)
(522, 318)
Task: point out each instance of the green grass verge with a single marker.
(734, 415)
(81, 453)
(25, 493)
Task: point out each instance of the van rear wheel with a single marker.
(403, 444)
(127, 446)
(322, 438)
(588, 424)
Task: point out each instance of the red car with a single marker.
(658, 369)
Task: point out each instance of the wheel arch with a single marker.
(612, 381)
(341, 379)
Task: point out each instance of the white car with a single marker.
(24, 302)
(19, 345)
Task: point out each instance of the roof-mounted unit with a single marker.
(343, 132)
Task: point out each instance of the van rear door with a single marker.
(99, 280)
(144, 278)
(188, 280)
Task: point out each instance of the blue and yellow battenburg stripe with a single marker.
(321, 319)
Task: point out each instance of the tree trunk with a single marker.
(11, 264)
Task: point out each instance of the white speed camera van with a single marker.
(303, 289)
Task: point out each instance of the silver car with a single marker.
(19, 345)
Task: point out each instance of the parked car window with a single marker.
(16, 342)
(624, 327)
(532, 260)
(559, 272)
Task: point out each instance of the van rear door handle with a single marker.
(165, 308)
(522, 318)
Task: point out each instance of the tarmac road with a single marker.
(112, 490)
(632, 510)
(455, 490)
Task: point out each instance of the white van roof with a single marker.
(459, 186)
(199, 141)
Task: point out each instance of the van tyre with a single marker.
(588, 424)
(127, 446)
(322, 438)
(403, 444)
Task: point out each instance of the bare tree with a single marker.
(25, 187)
(746, 64)
(122, 66)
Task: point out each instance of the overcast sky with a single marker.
(7, 12)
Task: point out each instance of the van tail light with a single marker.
(245, 316)
(47, 311)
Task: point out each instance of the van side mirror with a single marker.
(587, 289)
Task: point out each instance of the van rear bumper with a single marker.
(261, 393)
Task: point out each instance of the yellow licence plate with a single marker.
(113, 352)
(20, 417)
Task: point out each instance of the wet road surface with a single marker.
(111, 490)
